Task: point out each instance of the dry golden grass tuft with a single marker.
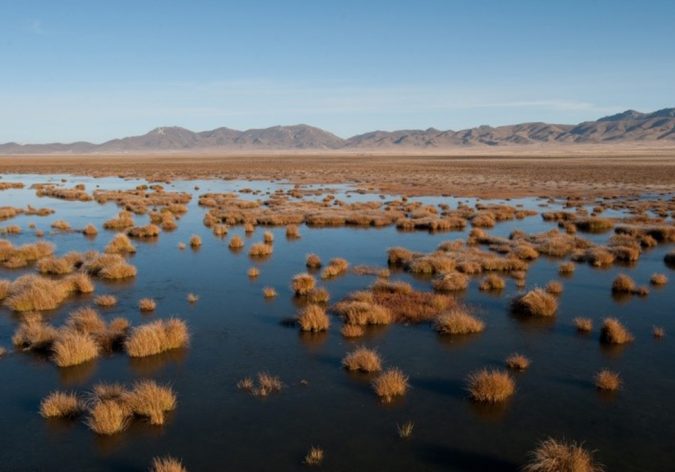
(157, 336)
(73, 347)
(236, 243)
(260, 250)
(560, 456)
(554, 287)
(61, 225)
(363, 359)
(583, 325)
(151, 400)
(607, 380)
(613, 332)
(192, 298)
(458, 321)
(195, 241)
(108, 417)
(55, 265)
(167, 464)
(105, 301)
(658, 279)
(399, 256)
(405, 430)
(147, 304)
(658, 332)
(269, 292)
(352, 331)
(314, 456)
(292, 232)
(266, 384)
(313, 318)
(61, 405)
(492, 282)
(335, 267)
(452, 282)
(117, 270)
(268, 237)
(313, 261)
(536, 302)
(623, 284)
(302, 284)
(490, 386)
(120, 244)
(361, 313)
(144, 232)
(34, 334)
(567, 268)
(37, 293)
(517, 362)
(253, 272)
(390, 384)
(86, 320)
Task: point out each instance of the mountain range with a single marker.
(629, 126)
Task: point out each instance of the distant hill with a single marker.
(629, 126)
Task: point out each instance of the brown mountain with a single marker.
(629, 126)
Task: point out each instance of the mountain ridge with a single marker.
(628, 126)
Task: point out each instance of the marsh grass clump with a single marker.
(253, 272)
(361, 313)
(314, 456)
(623, 284)
(236, 243)
(36, 293)
(451, 282)
(583, 325)
(55, 265)
(61, 405)
(335, 267)
(517, 362)
(151, 400)
(490, 386)
(658, 332)
(399, 256)
(302, 284)
(536, 302)
(61, 225)
(492, 282)
(268, 237)
(108, 417)
(269, 292)
(117, 270)
(120, 244)
(292, 232)
(390, 384)
(86, 320)
(34, 334)
(352, 331)
(192, 297)
(266, 384)
(607, 381)
(195, 241)
(313, 261)
(458, 321)
(658, 279)
(613, 332)
(147, 305)
(90, 230)
(567, 268)
(167, 464)
(105, 301)
(73, 347)
(362, 359)
(313, 318)
(157, 336)
(554, 287)
(144, 232)
(559, 456)
(260, 250)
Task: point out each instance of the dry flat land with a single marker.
(479, 171)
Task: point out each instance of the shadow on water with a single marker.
(448, 458)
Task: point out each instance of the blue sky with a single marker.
(96, 70)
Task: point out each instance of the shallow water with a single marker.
(237, 333)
